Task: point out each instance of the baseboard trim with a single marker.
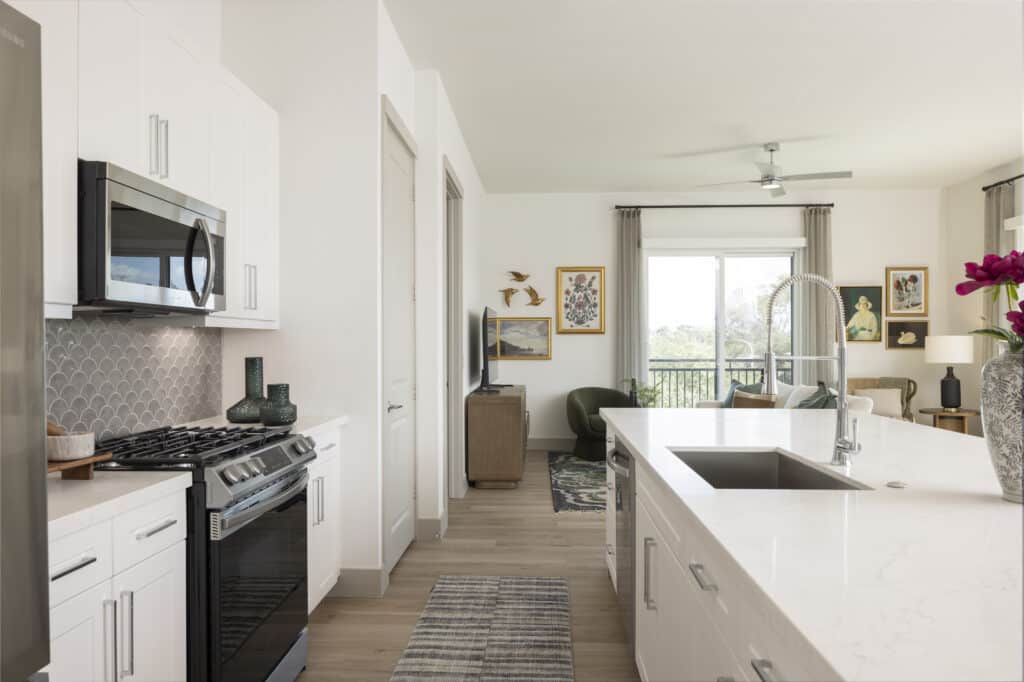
(431, 530)
(360, 582)
(549, 444)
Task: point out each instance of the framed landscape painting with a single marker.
(863, 313)
(906, 292)
(580, 300)
(524, 338)
(905, 334)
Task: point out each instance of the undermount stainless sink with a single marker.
(764, 470)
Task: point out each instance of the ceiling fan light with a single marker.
(770, 183)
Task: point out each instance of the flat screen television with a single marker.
(489, 351)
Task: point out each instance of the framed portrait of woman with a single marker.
(863, 306)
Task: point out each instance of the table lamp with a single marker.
(949, 351)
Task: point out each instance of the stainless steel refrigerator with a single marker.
(24, 583)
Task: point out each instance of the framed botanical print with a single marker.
(522, 338)
(863, 313)
(906, 292)
(580, 300)
(905, 334)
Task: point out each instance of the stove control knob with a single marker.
(300, 446)
(310, 442)
(230, 475)
(252, 468)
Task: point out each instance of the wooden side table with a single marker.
(950, 420)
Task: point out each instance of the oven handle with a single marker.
(200, 299)
(228, 523)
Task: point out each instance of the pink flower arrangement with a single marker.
(994, 274)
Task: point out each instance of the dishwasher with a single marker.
(621, 463)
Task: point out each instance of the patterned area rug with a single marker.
(577, 484)
(491, 629)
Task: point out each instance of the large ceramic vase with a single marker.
(1002, 415)
(247, 410)
(278, 410)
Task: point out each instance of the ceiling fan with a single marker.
(772, 178)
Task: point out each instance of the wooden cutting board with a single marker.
(78, 469)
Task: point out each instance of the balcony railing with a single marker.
(683, 382)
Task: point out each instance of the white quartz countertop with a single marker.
(920, 583)
(302, 425)
(73, 505)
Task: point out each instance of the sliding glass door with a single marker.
(707, 322)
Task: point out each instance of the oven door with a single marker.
(257, 581)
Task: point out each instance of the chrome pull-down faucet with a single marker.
(846, 443)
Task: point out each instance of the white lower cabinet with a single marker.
(324, 516)
(151, 599)
(609, 523)
(82, 637)
(128, 625)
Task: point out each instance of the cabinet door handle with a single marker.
(165, 147)
(703, 578)
(154, 144)
(255, 287)
(143, 534)
(320, 500)
(110, 640)
(329, 446)
(765, 670)
(79, 565)
(128, 633)
(649, 544)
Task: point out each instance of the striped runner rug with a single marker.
(491, 629)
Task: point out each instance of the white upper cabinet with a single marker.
(112, 124)
(138, 83)
(58, 21)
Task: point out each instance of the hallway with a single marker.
(490, 532)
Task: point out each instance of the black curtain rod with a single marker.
(1007, 181)
(831, 205)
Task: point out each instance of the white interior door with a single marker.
(398, 420)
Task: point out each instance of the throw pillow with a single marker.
(782, 393)
(737, 386)
(742, 399)
(887, 401)
(821, 399)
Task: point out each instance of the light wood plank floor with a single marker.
(490, 532)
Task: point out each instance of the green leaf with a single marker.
(995, 293)
(996, 333)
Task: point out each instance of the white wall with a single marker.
(964, 236)
(536, 233)
(439, 139)
(324, 69)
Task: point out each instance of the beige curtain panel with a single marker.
(998, 207)
(815, 326)
(629, 356)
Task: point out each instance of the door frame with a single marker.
(391, 118)
(455, 483)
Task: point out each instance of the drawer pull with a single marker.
(142, 535)
(703, 579)
(329, 446)
(85, 561)
(110, 641)
(765, 670)
(726, 679)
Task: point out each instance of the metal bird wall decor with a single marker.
(518, 276)
(535, 298)
(508, 294)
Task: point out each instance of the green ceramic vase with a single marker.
(278, 410)
(247, 410)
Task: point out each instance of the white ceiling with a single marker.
(595, 95)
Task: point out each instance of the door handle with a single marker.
(649, 544)
(154, 144)
(392, 407)
(110, 640)
(620, 469)
(163, 133)
(128, 633)
(200, 298)
(703, 579)
(320, 499)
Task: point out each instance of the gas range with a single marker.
(234, 462)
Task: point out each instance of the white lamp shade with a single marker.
(949, 350)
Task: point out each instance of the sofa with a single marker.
(581, 407)
(788, 397)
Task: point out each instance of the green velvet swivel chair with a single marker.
(582, 405)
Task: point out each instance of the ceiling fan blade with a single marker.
(779, 191)
(742, 147)
(834, 175)
(731, 182)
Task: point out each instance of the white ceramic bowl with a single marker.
(70, 446)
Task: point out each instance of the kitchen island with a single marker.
(919, 582)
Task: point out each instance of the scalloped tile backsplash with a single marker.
(113, 377)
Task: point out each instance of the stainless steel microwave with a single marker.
(144, 248)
